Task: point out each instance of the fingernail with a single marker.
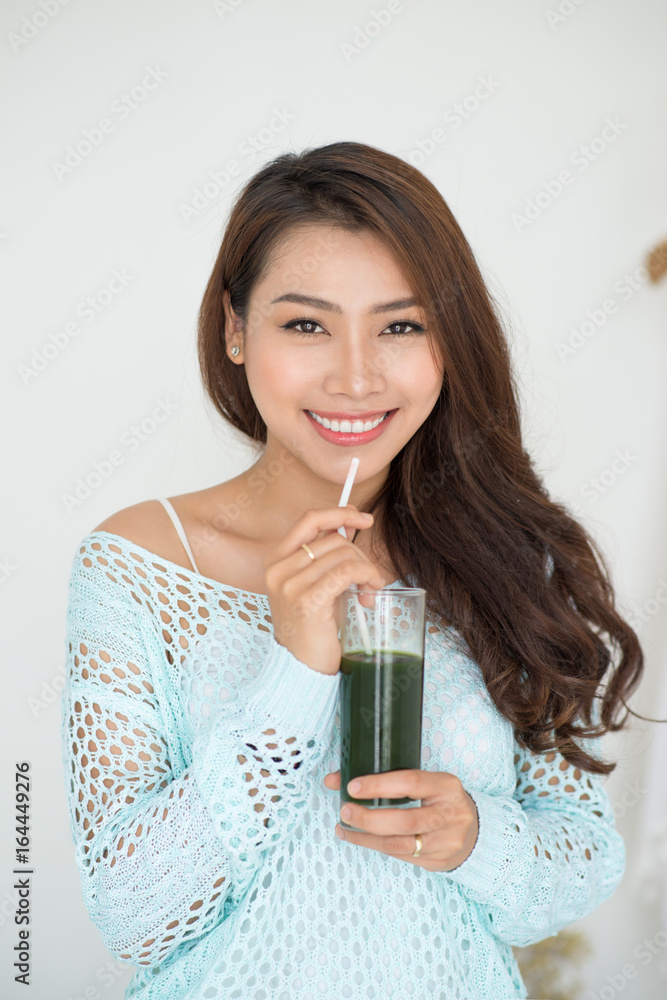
(353, 786)
(345, 812)
(369, 517)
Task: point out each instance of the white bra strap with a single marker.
(176, 521)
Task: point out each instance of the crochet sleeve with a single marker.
(167, 841)
(545, 857)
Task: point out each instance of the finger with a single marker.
(328, 531)
(332, 781)
(312, 523)
(414, 783)
(332, 572)
(396, 845)
(349, 533)
(386, 822)
(366, 598)
(320, 548)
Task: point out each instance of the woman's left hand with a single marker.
(447, 819)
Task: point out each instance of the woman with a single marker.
(199, 723)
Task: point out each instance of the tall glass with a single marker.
(381, 692)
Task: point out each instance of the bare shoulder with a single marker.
(147, 524)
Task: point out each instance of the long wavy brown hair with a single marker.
(516, 576)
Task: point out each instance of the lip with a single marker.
(335, 437)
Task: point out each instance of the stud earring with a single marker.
(235, 350)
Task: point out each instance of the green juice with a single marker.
(380, 717)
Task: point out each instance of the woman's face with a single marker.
(332, 336)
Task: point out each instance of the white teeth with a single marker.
(346, 426)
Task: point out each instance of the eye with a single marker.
(396, 329)
(294, 323)
(416, 328)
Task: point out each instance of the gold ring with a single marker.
(309, 551)
(418, 845)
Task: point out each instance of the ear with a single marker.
(233, 329)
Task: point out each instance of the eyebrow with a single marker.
(311, 300)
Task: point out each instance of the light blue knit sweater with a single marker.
(195, 748)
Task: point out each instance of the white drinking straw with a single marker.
(344, 497)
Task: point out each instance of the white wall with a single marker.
(220, 76)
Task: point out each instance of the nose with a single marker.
(356, 367)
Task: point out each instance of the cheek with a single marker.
(418, 374)
(274, 378)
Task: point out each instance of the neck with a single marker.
(281, 488)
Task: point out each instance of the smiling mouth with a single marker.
(349, 426)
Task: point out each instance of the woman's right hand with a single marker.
(304, 593)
